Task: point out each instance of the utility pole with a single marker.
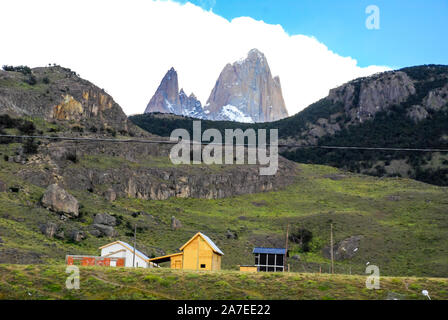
(331, 248)
(135, 243)
(286, 248)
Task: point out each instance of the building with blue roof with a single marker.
(270, 259)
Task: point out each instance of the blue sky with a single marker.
(411, 32)
(319, 46)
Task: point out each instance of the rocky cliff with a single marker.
(168, 99)
(144, 171)
(247, 92)
(363, 98)
(59, 94)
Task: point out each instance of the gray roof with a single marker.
(212, 244)
(132, 248)
(269, 250)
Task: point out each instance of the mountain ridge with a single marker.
(401, 108)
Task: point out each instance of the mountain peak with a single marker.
(247, 88)
(168, 98)
(256, 54)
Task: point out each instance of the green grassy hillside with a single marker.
(404, 222)
(48, 282)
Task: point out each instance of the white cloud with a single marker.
(126, 47)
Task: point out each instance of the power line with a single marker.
(235, 145)
(367, 148)
(89, 139)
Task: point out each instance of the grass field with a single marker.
(49, 282)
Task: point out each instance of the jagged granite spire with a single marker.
(247, 92)
(168, 99)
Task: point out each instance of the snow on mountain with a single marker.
(232, 113)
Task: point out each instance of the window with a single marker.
(280, 259)
(202, 266)
(263, 259)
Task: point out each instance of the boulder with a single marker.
(105, 219)
(60, 235)
(346, 249)
(103, 230)
(58, 200)
(95, 232)
(175, 224)
(110, 195)
(231, 235)
(3, 187)
(49, 229)
(296, 257)
(77, 235)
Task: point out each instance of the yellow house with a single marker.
(199, 253)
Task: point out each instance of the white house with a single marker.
(121, 249)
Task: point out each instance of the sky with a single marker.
(126, 47)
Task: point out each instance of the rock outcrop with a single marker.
(346, 249)
(175, 224)
(103, 225)
(3, 187)
(110, 195)
(103, 230)
(132, 176)
(49, 229)
(231, 235)
(168, 99)
(363, 98)
(105, 219)
(61, 95)
(77, 235)
(247, 92)
(60, 201)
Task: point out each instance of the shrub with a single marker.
(302, 237)
(31, 80)
(30, 146)
(77, 128)
(71, 156)
(22, 69)
(27, 127)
